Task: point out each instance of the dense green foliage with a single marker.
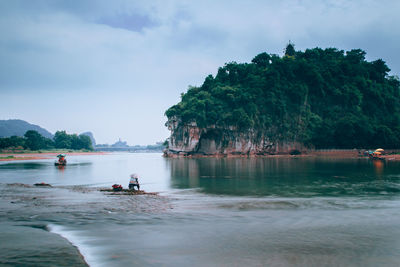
(12, 142)
(72, 141)
(325, 98)
(34, 141)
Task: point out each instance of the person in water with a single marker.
(134, 182)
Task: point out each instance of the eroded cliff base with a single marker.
(192, 141)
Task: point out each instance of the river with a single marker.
(209, 212)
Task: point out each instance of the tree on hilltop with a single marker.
(289, 50)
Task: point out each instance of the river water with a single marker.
(210, 212)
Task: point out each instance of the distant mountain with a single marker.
(19, 127)
(90, 134)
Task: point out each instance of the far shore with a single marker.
(391, 155)
(334, 154)
(44, 155)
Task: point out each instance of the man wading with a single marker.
(134, 181)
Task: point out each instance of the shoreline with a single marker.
(69, 237)
(39, 156)
(332, 154)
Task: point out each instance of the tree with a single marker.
(12, 142)
(75, 141)
(62, 140)
(289, 50)
(72, 141)
(86, 142)
(34, 140)
(262, 59)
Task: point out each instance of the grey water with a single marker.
(209, 212)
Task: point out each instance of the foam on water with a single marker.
(77, 241)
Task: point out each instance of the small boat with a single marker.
(42, 184)
(377, 154)
(61, 160)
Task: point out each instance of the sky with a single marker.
(114, 67)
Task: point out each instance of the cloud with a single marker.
(122, 53)
(131, 22)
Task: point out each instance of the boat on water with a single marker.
(376, 155)
(61, 160)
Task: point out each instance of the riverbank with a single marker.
(337, 154)
(45, 155)
(392, 155)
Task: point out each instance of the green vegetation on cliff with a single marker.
(326, 98)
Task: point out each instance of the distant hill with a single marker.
(19, 127)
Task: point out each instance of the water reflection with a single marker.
(283, 176)
(284, 225)
(24, 165)
(45, 171)
(61, 167)
(93, 170)
(378, 166)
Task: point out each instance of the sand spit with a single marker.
(35, 156)
(127, 192)
(89, 189)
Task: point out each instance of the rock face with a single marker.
(191, 140)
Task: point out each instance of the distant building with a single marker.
(123, 146)
(120, 144)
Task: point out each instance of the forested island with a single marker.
(316, 99)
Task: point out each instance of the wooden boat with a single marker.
(61, 160)
(377, 154)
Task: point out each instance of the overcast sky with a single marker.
(114, 67)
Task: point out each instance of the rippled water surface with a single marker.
(210, 212)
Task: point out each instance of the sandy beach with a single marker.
(35, 156)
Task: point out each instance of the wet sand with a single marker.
(35, 219)
(127, 192)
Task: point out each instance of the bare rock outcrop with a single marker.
(191, 140)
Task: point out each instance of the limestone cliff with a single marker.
(191, 140)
